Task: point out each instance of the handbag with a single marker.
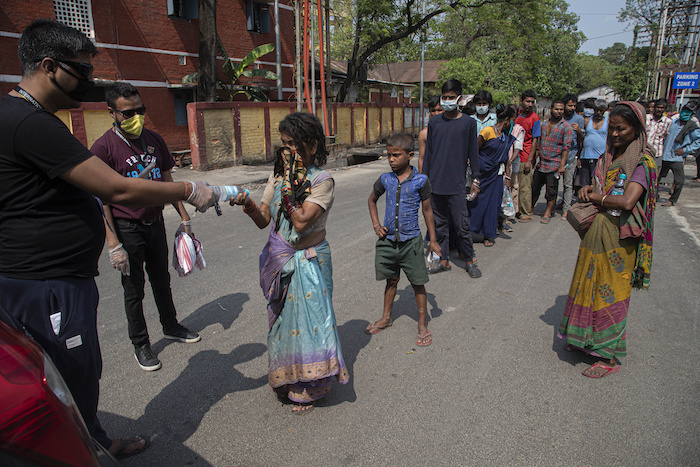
(581, 215)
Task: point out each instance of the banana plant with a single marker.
(234, 70)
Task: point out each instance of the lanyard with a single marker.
(143, 146)
(28, 97)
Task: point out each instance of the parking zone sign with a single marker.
(686, 80)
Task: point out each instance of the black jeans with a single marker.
(540, 179)
(71, 341)
(146, 244)
(678, 177)
(451, 210)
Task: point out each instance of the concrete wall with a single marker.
(223, 134)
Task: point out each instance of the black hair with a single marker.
(433, 102)
(589, 103)
(483, 95)
(691, 105)
(644, 103)
(579, 107)
(628, 114)
(452, 85)
(558, 101)
(528, 93)
(469, 108)
(118, 90)
(503, 112)
(48, 38)
(305, 129)
(515, 108)
(570, 97)
(402, 141)
(662, 101)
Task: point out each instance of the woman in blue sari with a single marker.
(295, 267)
(494, 145)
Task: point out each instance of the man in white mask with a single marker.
(136, 236)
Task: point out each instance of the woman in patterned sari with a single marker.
(615, 252)
(295, 267)
(494, 145)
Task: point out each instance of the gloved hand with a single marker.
(185, 226)
(120, 259)
(202, 196)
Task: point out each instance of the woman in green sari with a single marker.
(295, 267)
(615, 253)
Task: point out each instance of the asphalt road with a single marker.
(495, 387)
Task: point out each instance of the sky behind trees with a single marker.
(599, 18)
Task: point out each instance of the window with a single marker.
(183, 9)
(76, 14)
(182, 98)
(258, 17)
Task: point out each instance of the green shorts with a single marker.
(391, 257)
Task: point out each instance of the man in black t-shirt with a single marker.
(51, 230)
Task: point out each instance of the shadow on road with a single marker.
(223, 310)
(175, 414)
(405, 305)
(353, 338)
(553, 317)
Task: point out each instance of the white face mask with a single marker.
(449, 105)
(482, 109)
(588, 112)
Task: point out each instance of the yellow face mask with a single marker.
(133, 125)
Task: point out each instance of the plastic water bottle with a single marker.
(618, 190)
(227, 192)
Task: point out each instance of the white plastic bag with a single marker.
(187, 253)
(507, 203)
(433, 262)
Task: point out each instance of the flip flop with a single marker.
(126, 449)
(525, 219)
(490, 242)
(545, 220)
(373, 329)
(425, 340)
(307, 408)
(609, 370)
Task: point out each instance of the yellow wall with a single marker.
(64, 116)
(252, 134)
(373, 119)
(344, 125)
(386, 122)
(97, 122)
(218, 131)
(398, 120)
(360, 129)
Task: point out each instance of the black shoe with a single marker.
(473, 271)
(145, 358)
(182, 334)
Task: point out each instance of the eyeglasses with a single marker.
(84, 69)
(131, 112)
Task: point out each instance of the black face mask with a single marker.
(81, 91)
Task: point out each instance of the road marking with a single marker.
(683, 224)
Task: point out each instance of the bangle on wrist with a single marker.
(190, 188)
(603, 200)
(112, 250)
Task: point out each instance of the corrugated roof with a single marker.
(406, 72)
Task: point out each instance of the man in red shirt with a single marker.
(531, 123)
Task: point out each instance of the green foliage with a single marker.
(594, 71)
(234, 71)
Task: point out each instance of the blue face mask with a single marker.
(685, 115)
(450, 105)
(588, 112)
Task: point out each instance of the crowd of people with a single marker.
(55, 188)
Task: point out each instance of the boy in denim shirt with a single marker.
(400, 244)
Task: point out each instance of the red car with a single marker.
(39, 421)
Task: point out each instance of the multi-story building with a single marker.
(152, 44)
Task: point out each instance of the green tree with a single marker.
(594, 71)
(371, 25)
